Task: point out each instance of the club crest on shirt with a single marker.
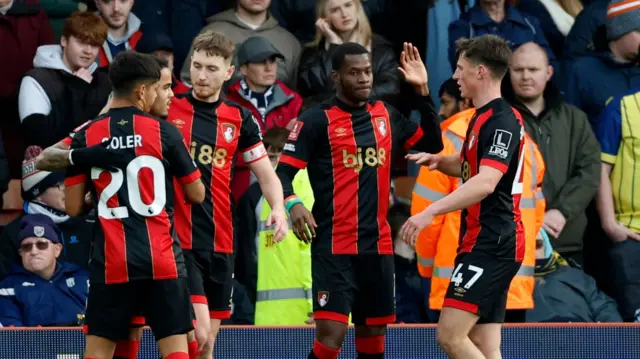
(382, 125)
(38, 231)
(228, 132)
(472, 139)
(323, 298)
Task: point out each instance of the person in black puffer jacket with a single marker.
(338, 23)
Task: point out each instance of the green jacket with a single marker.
(571, 154)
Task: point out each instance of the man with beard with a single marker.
(346, 144)
(125, 29)
(215, 130)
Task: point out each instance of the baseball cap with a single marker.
(623, 17)
(256, 49)
(37, 225)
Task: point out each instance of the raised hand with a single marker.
(412, 67)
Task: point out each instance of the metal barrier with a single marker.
(565, 341)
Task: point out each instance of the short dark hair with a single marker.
(275, 138)
(130, 68)
(489, 50)
(213, 44)
(162, 62)
(451, 88)
(341, 52)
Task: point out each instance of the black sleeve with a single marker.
(182, 166)
(4, 171)
(250, 141)
(499, 141)
(423, 137)
(298, 149)
(77, 174)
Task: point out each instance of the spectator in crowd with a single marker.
(270, 101)
(616, 200)
(188, 17)
(125, 29)
(44, 291)
(160, 45)
(337, 22)
(410, 303)
(251, 18)
(566, 294)
(64, 90)
(567, 144)
(59, 10)
(451, 102)
(4, 172)
(497, 17)
(43, 193)
(277, 277)
(155, 15)
(609, 70)
(579, 41)
(556, 18)
(23, 28)
(437, 244)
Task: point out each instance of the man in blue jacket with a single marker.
(43, 291)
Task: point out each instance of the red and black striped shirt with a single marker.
(214, 133)
(134, 239)
(495, 138)
(347, 152)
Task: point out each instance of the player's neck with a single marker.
(486, 94)
(348, 102)
(211, 99)
(117, 102)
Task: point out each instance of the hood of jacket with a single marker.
(230, 17)
(133, 25)
(50, 57)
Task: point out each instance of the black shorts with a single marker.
(480, 283)
(164, 304)
(360, 285)
(211, 280)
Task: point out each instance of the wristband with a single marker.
(292, 202)
(70, 158)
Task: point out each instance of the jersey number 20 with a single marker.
(133, 189)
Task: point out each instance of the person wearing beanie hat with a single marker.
(43, 194)
(44, 291)
(623, 17)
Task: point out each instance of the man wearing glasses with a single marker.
(43, 193)
(43, 291)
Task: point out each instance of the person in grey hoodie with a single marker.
(249, 19)
(64, 90)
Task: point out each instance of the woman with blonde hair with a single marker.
(341, 21)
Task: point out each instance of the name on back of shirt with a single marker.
(122, 142)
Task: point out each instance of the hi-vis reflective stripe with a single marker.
(427, 193)
(447, 272)
(455, 139)
(263, 225)
(283, 294)
(539, 194)
(527, 203)
(7, 292)
(425, 262)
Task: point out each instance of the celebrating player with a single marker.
(347, 144)
(491, 246)
(136, 265)
(215, 131)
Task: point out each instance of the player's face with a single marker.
(147, 95)
(54, 197)
(165, 93)
(529, 72)
(342, 15)
(254, 6)
(355, 78)
(467, 76)
(78, 54)
(38, 254)
(208, 73)
(274, 156)
(262, 74)
(115, 12)
(629, 46)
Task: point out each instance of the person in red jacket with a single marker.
(272, 103)
(24, 27)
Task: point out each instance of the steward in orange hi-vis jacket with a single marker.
(437, 244)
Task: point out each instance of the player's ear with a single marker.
(230, 72)
(335, 76)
